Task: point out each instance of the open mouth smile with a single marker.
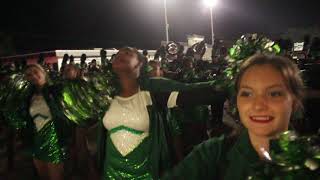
(261, 119)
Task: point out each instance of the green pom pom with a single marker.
(293, 157)
(244, 47)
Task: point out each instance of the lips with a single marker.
(261, 119)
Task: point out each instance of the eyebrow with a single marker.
(269, 87)
(276, 85)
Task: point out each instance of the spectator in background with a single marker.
(71, 61)
(83, 64)
(145, 54)
(93, 67)
(103, 55)
(155, 70)
(187, 73)
(70, 72)
(64, 62)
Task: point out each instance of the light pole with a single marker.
(211, 4)
(212, 34)
(166, 21)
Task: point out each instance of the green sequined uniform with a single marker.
(134, 165)
(46, 146)
(160, 149)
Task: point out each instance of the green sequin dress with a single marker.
(46, 146)
(134, 165)
(128, 144)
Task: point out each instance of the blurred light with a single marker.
(210, 3)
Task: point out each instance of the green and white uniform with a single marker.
(45, 146)
(128, 140)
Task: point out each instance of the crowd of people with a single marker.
(166, 118)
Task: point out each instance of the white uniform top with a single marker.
(131, 112)
(39, 111)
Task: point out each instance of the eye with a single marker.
(276, 93)
(245, 94)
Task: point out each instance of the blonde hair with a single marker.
(39, 67)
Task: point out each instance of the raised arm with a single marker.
(160, 85)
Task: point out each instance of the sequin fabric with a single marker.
(46, 146)
(128, 141)
(133, 166)
(128, 121)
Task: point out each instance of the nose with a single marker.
(260, 103)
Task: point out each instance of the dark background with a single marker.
(36, 25)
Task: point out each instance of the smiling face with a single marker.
(35, 76)
(126, 63)
(264, 102)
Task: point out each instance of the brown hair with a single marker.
(285, 66)
(71, 66)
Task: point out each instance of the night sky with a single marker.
(36, 25)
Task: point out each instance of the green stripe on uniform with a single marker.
(133, 131)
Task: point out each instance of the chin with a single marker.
(262, 133)
(268, 133)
